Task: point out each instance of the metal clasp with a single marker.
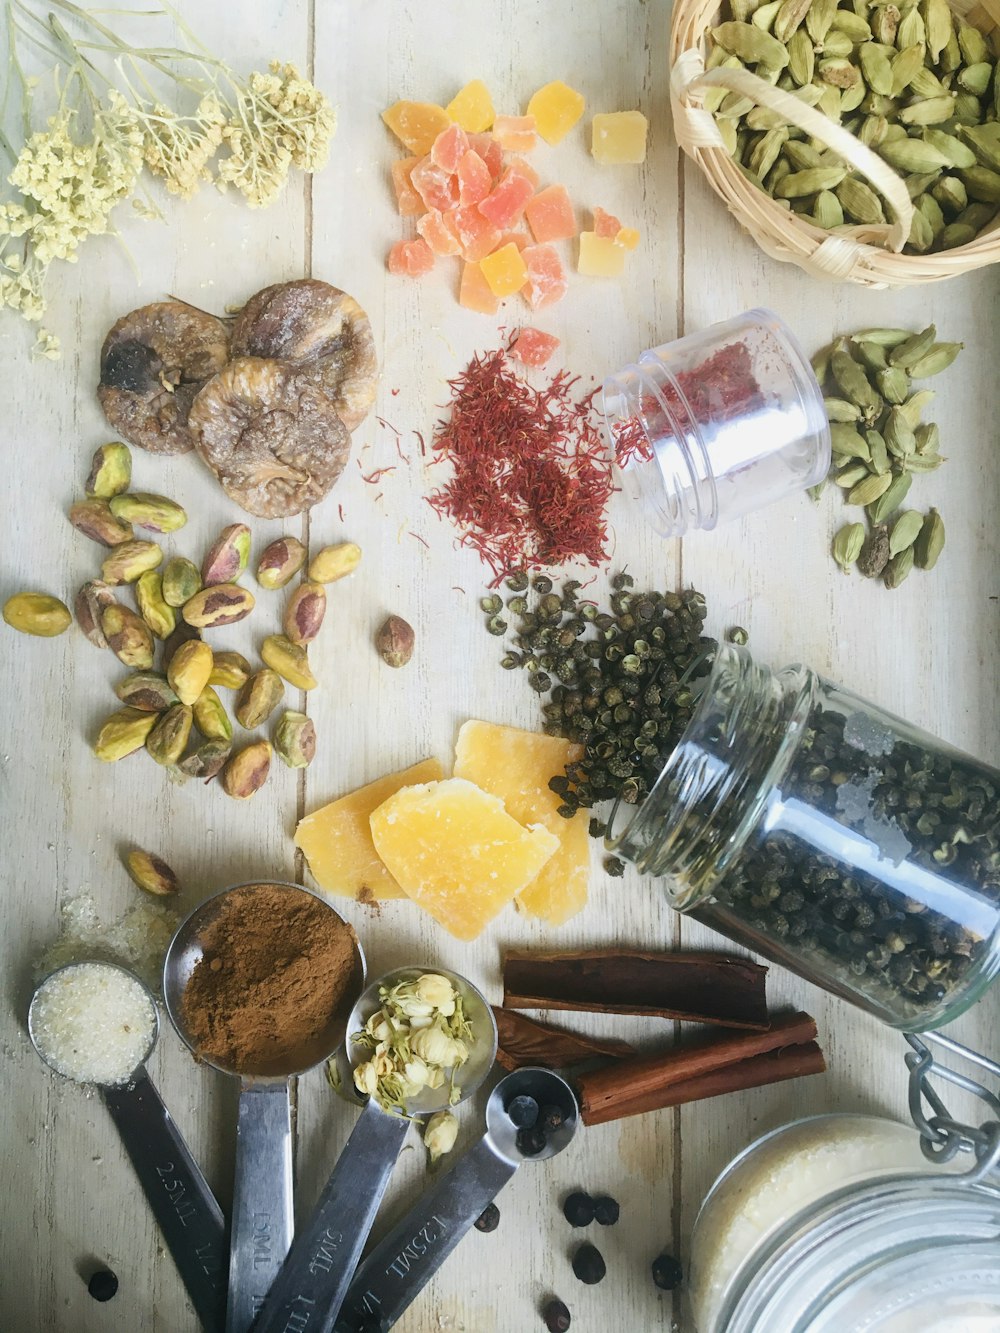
(941, 1136)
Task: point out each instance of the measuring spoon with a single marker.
(404, 1262)
(309, 1291)
(182, 1202)
(263, 1218)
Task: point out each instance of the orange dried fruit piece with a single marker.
(619, 138)
(438, 235)
(436, 187)
(606, 224)
(518, 238)
(505, 271)
(472, 107)
(532, 347)
(448, 148)
(490, 151)
(411, 259)
(504, 205)
(477, 236)
(474, 179)
(474, 292)
(600, 257)
(547, 280)
(629, 237)
(556, 108)
(416, 124)
(550, 214)
(408, 201)
(525, 169)
(515, 134)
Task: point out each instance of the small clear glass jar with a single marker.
(830, 836)
(717, 424)
(837, 1224)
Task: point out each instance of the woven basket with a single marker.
(864, 254)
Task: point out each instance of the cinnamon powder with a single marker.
(277, 968)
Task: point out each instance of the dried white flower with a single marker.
(440, 1134)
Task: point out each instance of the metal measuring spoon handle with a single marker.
(263, 1214)
(404, 1262)
(309, 1291)
(182, 1202)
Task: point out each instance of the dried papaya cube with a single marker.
(619, 137)
(436, 187)
(448, 148)
(524, 169)
(490, 151)
(474, 292)
(532, 347)
(600, 257)
(410, 258)
(416, 124)
(477, 236)
(556, 109)
(438, 235)
(606, 224)
(547, 280)
(472, 107)
(408, 202)
(550, 214)
(628, 237)
(515, 134)
(518, 238)
(505, 203)
(505, 271)
(474, 179)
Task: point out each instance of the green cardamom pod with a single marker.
(912, 410)
(939, 358)
(891, 499)
(766, 151)
(967, 109)
(801, 58)
(846, 20)
(921, 237)
(764, 15)
(873, 130)
(860, 202)
(888, 338)
(929, 111)
(905, 66)
(917, 463)
(869, 490)
(975, 79)
(893, 384)
(951, 194)
(885, 24)
(802, 155)
(879, 453)
(797, 184)
(751, 43)
(847, 545)
(918, 182)
(913, 348)
(819, 18)
(930, 542)
(925, 83)
(928, 438)
(971, 43)
(837, 45)
(789, 17)
(876, 69)
(950, 59)
(848, 477)
(956, 234)
(955, 152)
(983, 143)
(899, 437)
(912, 155)
(853, 382)
(977, 216)
(898, 568)
(931, 210)
(937, 21)
(905, 530)
(820, 362)
(839, 410)
(846, 442)
(871, 355)
(827, 210)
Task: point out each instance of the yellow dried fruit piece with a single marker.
(619, 138)
(516, 765)
(457, 853)
(504, 270)
(337, 838)
(416, 124)
(556, 108)
(629, 237)
(600, 256)
(472, 107)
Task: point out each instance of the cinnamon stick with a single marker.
(523, 1041)
(699, 987)
(707, 1069)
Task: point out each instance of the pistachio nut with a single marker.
(905, 530)
(847, 545)
(281, 561)
(184, 633)
(181, 580)
(246, 771)
(394, 641)
(898, 568)
(211, 718)
(930, 541)
(189, 669)
(258, 698)
(218, 604)
(90, 602)
(875, 553)
(146, 690)
(169, 737)
(230, 670)
(206, 760)
(334, 562)
(95, 520)
(128, 636)
(128, 561)
(160, 617)
(122, 734)
(110, 471)
(227, 557)
(145, 510)
(290, 660)
(295, 739)
(151, 873)
(304, 612)
(37, 613)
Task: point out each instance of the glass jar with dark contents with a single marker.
(832, 837)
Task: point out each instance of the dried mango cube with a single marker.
(477, 236)
(436, 187)
(600, 257)
(550, 214)
(532, 347)
(619, 138)
(490, 151)
(411, 258)
(474, 292)
(416, 124)
(474, 179)
(448, 148)
(606, 224)
(438, 235)
(505, 203)
(472, 107)
(515, 134)
(408, 201)
(547, 281)
(628, 237)
(556, 109)
(505, 271)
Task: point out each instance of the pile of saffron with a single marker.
(531, 473)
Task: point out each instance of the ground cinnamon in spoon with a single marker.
(277, 966)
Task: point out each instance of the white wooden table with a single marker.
(929, 651)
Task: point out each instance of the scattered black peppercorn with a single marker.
(578, 1209)
(488, 1219)
(556, 1316)
(530, 1142)
(103, 1285)
(589, 1265)
(614, 867)
(606, 1210)
(667, 1272)
(523, 1111)
(551, 1118)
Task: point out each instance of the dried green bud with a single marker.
(168, 739)
(151, 873)
(290, 660)
(90, 602)
(218, 604)
(189, 669)
(280, 562)
(160, 617)
(146, 510)
(95, 520)
(122, 734)
(898, 568)
(127, 562)
(247, 770)
(258, 698)
(295, 739)
(930, 541)
(146, 690)
(304, 613)
(206, 760)
(227, 557)
(37, 613)
(128, 636)
(334, 562)
(847, 545)
(394, 641)
(211, 718)
(110, 471)
(181, 580)
(231, 670)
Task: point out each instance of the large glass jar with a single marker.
(837, 1224)
(831, 837)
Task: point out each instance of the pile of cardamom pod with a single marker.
(912, 80)
(880, 443)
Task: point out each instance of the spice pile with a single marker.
(93, 1023)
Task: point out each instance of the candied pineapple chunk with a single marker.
(600, 256)
(472, 108)
(475, 292)
(416, 124)
(556, 109)
(457, 853)
(619, 138)
(628, 237)
(504, 270)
